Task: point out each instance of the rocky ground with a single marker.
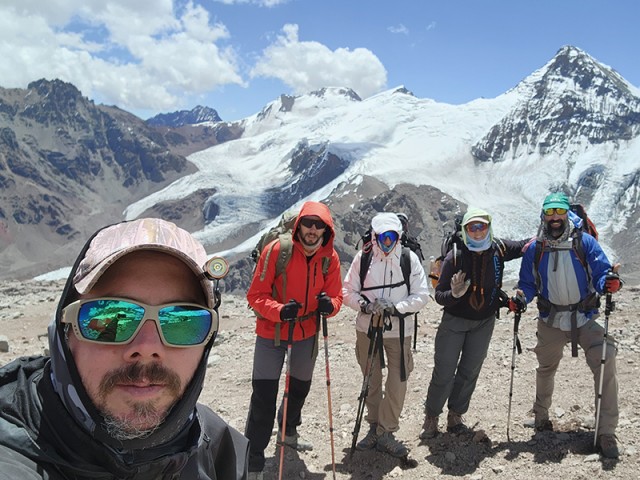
(25, 309)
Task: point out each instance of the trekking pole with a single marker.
(415, 330)
(285, 400)
(609, 306)
(518, 347)
(325, 334)
(376, 320)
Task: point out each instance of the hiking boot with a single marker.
(389, 444)
(608, 446)
(370, 439)
(296, 442)
(429, 428)
(542, 422)
(455, 423)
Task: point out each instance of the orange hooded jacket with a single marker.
(305, 281)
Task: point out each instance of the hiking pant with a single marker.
(268, 360)
(549, 350)
(385, 410)
(460, 349)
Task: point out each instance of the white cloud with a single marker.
(307, 66)
(431, 26)
(400, 28)
(138, 54)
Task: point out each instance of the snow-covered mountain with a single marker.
(571, 125)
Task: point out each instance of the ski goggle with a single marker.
(550, 211)
(310, 222)
(391, 236)
(476, 227)
(387, 240)
(118, 320)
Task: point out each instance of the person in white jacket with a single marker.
(385, 292)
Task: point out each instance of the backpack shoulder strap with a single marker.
(501, 247)
(405, 265)
(326, 262)
(578, 249)
(365, 261)
(537, 257)
(286, 250)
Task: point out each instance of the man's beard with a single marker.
(556, 232)
(128, 428)
(309, 244)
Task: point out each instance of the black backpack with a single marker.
(450, 241)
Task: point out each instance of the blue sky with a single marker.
(155, 56)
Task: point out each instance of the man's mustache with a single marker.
(136, 373)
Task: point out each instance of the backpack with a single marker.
(450, 241)
(587, 224)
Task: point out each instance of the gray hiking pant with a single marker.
(549, 350)
(268, 360)
(460, 349)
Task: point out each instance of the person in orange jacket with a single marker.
(309, 286)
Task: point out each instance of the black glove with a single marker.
(365, 305)
(517, 303)
(325, 307)
(289, 311)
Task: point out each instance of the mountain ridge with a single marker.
(503, 154)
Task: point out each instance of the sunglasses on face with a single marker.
(118, 320)
(477, 227)
(550, 211)
(312, 222)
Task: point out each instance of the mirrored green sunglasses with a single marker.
(118, 320)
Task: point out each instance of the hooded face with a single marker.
(311, 232)
(133, 386)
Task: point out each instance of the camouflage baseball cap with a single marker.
(116, 241)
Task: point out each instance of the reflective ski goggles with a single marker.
(118, 320)
(390, 236)
(550, 211)
(476, 227)
(310, 222)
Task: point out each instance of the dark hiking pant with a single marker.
(460, 349)
(268, 360)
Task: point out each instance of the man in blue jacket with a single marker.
(567, 269)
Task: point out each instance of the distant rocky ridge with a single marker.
(181, 118)
(68, 166)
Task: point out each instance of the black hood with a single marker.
(68, 384)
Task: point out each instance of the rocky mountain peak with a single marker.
(572, 98)
(195, 116)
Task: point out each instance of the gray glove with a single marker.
(382, 305)
(366, 306)
(458, 284)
